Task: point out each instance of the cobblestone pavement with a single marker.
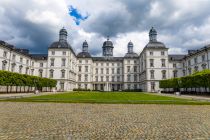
(58, 121)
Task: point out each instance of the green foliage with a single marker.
(81, 89)
(16, 79)
(196, 80)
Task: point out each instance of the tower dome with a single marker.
(108, 48)
(152, 35)
(85, 46)
(84, 53)
(130, 47)
(63, 35)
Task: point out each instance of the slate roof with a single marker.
(155, 44)
(84, 55)
(61, 45)
(39, 56)
(176, 57)
(107, 58)
(131, 55)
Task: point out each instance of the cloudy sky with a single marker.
(34, 24)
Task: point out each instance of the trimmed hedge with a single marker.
(81, 89)
(197, 80)
(16, 79)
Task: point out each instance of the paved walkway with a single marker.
(201, 98)
(62, 121)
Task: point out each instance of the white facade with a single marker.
(107, 73)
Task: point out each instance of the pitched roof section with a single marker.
(61, 45)
(39, 56)
(175, 57)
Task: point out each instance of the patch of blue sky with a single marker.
(77, 16)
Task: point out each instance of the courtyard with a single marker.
(63, 121)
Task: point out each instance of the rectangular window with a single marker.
(96, 70)
(163, 61)
(128, 68)
(79, 77)
(51, 73)
(5, 54)
(118, 70)
(203, 58)
(135, 68)
(151, 53)
(41, 64)
(13, 57)
(40, 73)
(174, 65)
(86, 68)
(63, 74)
(102, 71)
(86, 77)
(107, 71)
(63, 62)
(13, 67)
(151, 62)
(53, 52)
(175, 73)
(80, 68)
(152, 75)
(112, 78)
(21, 60)
(27, 61)
(163, 74)
(107, 78)
(112, 70)
(128, 78)
(162, 53)
(189, 62)
(64, 52)
(118, 78)
(195, 60)
(102, 78)
(135, 78)
(96, 78)
(52, 61)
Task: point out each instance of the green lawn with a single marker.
(109, 97)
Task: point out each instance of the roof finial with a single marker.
(107, 38)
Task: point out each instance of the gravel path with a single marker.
(62, 121)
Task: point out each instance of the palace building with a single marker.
(142, 70)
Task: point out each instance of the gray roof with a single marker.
(108, 43)
(131, 55)
(107, 58)
(84, 55)
(176, 57)
(61, 45)
(155, 44)
(39, 56)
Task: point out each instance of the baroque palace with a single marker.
(107, 73)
